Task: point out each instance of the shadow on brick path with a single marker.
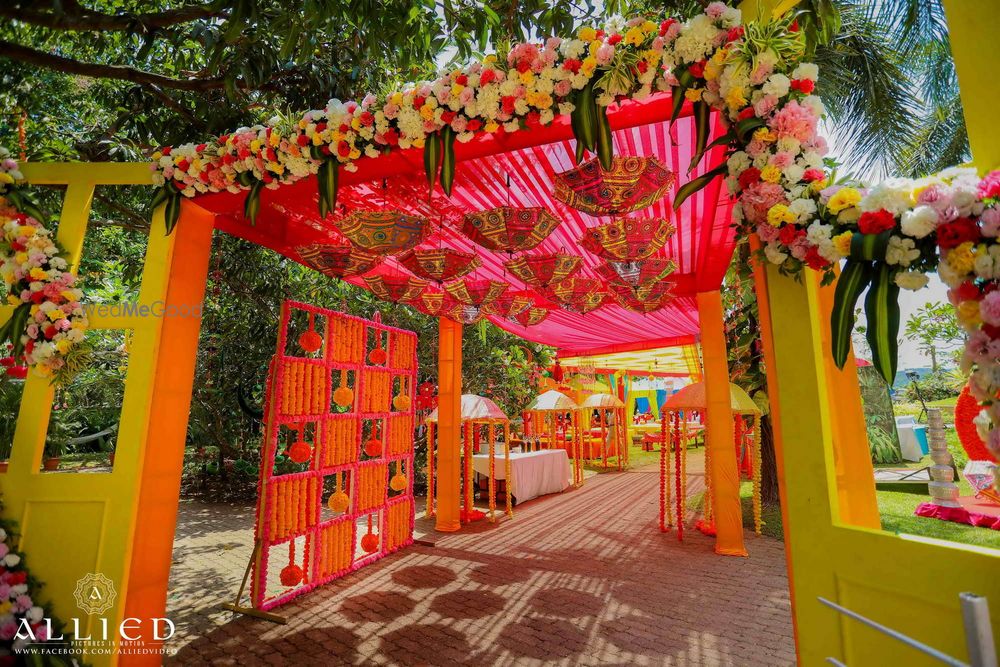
(584, 577)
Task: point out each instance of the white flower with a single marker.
(901, 251)
(911, 280)
(774, 254)
(806, 71)
(919, 222)
(35, 614)
(803, 209)
(11, 560)
(777, 85)
(893, 195)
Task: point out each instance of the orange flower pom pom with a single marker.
(291, 575)
(369, 543)
(338, 502)
(343, 396)
(401, 402)
(310, 341)
(398, 482)
(377, 357)
(299, 452)
(373, 447)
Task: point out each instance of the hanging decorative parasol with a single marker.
(396, 288)
(382, 232)
(657, 296)
(510, 304)
(509, 228)
(432, 302)
(631, 184)
(474, 292)
(338, 261)
(440, 264)
(628, 239)
(580, 295)
(542, 270)
(465, 314)
(640, 276)
(532, 316)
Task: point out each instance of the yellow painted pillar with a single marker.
(449, 463)
(159, 484)
(723, 469)
(856, 501)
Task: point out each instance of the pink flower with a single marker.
(767, 233)
(605, 54)
(715, 9)
(765, 105)
(8, 630)
(794, 120)
(760, 73)
(759, 198)
(989, 187)
(24, 602)
(989, 308)
(562, 88)
(4, 591)
(782, 159)
(991, 222)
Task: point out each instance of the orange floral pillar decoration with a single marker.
(449, 425)
(430, 468)
(491, 442)
(721, 465)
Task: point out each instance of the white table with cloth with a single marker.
(535, 473)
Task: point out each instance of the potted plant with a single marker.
(62, 429)
(10, 401)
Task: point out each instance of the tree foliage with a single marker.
(934, 327)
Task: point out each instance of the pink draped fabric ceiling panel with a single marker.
(702, 246)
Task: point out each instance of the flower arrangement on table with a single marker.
(46, 329)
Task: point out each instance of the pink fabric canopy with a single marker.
(701, 247)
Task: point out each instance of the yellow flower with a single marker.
(21, 257)
(397, 98)
(594, 46)
(427, 112)
(692, 94)
(38, 274)
(5, 607)
(356, 123)
(770, 173)
(821, 184)
(418, 143)
(540, 100)
(649, 26)
(843, 199)
(713, 68)
(157, 155)
(317, 139)
(56, 314)
(961, 258)
(69, 295)
(842, 243)
(634, 36)
(456, 89)
(527, 76)
(255, 146)
(6, 178)
(778, 214)
(736, 98)
(275, 138)
(491, 126)
(63, 346)
(587, 34)
(968, 313)
(355, 153)
(78, 324)
(13, 300)
(765, 135)
(26, 230)
(492, 58)
(588, 65)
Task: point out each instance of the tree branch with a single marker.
(98, 71)
(77, 18)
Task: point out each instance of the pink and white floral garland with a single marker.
(37, 279)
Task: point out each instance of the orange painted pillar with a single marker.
(159, 484)
(857, 504)
(449, 463)
(723, 470)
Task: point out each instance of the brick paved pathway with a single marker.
(579, 578)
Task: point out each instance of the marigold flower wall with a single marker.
(336, 485)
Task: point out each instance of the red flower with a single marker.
(507, 104)
(344, 128)
(302, 140)
(166, 150)
(957, 232)
(18, 372)
(418, 101)
(533, 119)
(461, 79)
(794, 27)
(967, 291)
(789, 233)
(734, 33)
(697, 69)
(199, 148)
(391, 136)
(815, 260)
(804, 86)
(572, 64)
(223, 138)
(366, 118)
(749, 177)
(666, 26)
(642, 66)
(447, 117)
(876, 222)
(322, 126)
(183, 165)
(523, 66)
(37, 297)
(746, 113)
(343, 149)
(487, 76)
(474, 125)
(614, 39)
(992, 331)
(813, 174)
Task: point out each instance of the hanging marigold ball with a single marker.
(373, 447)
(338, 502)
(299, 452)
(377, 357)
(310, 341)
(343, 396)
(369, 542)
(401, 402)
(398, 482)
(291, 575)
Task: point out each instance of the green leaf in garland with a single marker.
(25, 204)
(432, 159)
(327, 180)
(172, 211)
(447, 158)
(677, 97)
(13, 329)
(696, 184)
(605, 143)
(746, 127)
(588, 123)
(855, 277)
(702, 128)
(251, 207)
(882, 313)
